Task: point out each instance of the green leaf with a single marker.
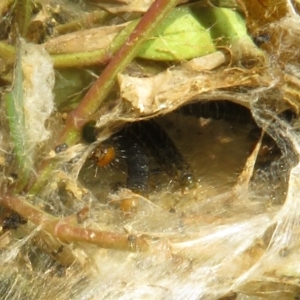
(193, 31)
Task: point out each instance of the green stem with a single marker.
(23, 15)
(68, 60)
(80, 59)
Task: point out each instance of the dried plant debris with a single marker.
(84, 40)
(147, 160)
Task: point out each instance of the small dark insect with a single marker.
(13, 221)
(61, 148)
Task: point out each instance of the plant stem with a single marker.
(87, 21)
(23, 15)
(66, 232)
(80, 59)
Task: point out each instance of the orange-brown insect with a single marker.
(103, 156)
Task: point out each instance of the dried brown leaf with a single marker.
(84, 40)
(260, 13)
(176, 86)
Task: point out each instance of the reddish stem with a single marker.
(68, 233)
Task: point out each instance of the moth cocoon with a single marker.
(38, 83)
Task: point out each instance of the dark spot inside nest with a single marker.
(13, 221)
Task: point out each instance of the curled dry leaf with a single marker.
(176, 86)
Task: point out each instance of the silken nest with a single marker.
(149, 149)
